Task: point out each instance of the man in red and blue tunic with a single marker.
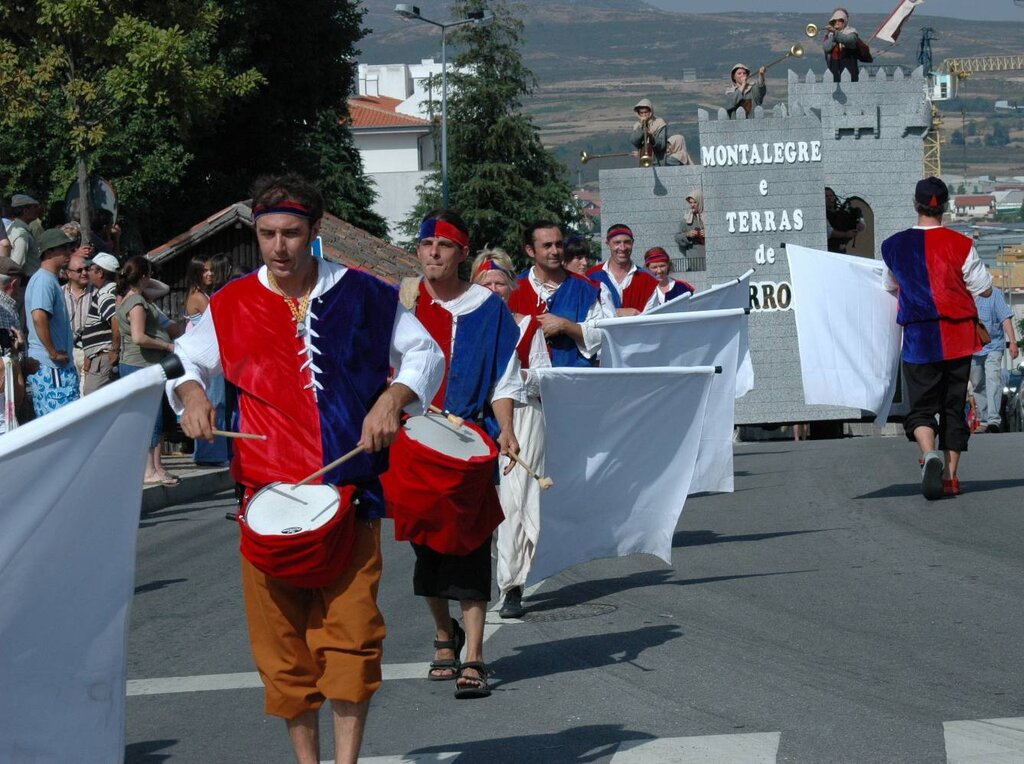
(566, 304)
(310, 346)
(633, 290)
(936, 272)
(478, 337)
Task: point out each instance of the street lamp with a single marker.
(412, 12)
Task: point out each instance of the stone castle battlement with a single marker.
(763, 180)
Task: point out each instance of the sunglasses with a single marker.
(77, 270)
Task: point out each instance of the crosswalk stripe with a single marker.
(748, 748)
(248, 680)
(205, 682)
(988, 741)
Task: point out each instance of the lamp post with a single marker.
(412, 12)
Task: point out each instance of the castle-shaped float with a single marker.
(763, 179)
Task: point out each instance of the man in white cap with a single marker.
(101, 337)
(841, 49)
(744, 92)
(24, 250)
(650, 133)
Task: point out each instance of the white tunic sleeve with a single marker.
(417, 360)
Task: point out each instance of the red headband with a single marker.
(284, 207)
(618, 230)
(434, 228)
(656, 255)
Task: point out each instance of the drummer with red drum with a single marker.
(309, 345)
(478, 336)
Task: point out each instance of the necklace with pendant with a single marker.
(298, 307)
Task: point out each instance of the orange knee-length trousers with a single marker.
(312, 645)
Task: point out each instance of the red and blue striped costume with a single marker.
(936, 309)
(311, 406)
(635, 296)
(572, 301)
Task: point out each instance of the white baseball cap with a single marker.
(105, 261)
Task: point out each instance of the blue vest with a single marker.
(572, 301)
(484, 344)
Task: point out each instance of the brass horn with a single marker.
(796, 51)
(811, 30)
(645, 161)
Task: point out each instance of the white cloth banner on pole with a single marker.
(621, 459)
(731, 294)
(848, 337)
(707, 338)
(72, 487)
(890, 29)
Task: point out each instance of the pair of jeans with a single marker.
(987, 379)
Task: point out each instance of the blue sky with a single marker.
(984, 10)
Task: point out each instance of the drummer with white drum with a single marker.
(309, 344)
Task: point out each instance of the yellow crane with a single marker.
(943, 85)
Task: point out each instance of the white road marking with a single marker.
(985, 741)
(250, 679)
(247, 680)
(749, 748)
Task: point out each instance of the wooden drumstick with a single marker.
(336, 463)
(455, 420)
(544, 482)
(239, 435)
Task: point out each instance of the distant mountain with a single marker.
(599, 39)
(594, 59)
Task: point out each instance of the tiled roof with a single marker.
(343, 243)
(379, 111)
(974, 201)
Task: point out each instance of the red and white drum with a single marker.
(440, 485)
(302, 535)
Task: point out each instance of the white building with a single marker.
(391, 130)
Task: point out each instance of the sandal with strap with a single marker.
(478, 687)
(454, 644)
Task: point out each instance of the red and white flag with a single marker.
(891, 27)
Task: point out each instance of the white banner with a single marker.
(707, 338)
(71, 483)
(846, 329)
(621, 448)
(732, 294)
(890, 29)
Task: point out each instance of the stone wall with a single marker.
(763, 179)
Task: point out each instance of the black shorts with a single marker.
(466, 578)
(939, 389)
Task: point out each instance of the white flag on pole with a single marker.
(71, 483)
(892, 26)
(732, 294)
(848, 337)
(621, 448)
(707, 338)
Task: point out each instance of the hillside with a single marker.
(594, 60)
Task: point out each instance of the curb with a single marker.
(194, 486)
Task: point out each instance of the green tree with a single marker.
(88, 74)
(501, 177)
(957, 138)
(999, 136)
(306, 53)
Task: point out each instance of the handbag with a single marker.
(982, 332)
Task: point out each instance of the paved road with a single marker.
(824, 612)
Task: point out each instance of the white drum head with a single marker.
(436, 432)
(283, 509)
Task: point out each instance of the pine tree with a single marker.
(501, 178)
